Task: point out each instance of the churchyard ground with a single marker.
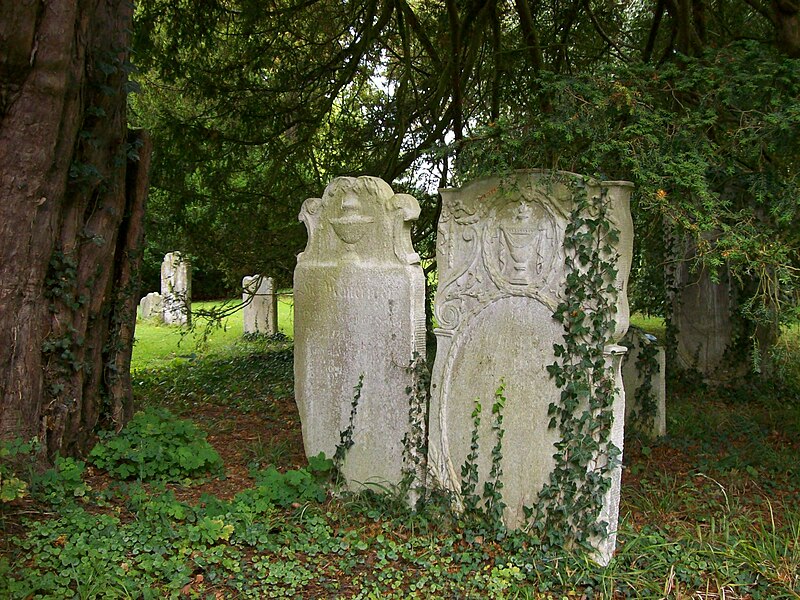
(709, 512)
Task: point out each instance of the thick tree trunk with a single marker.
(787, 26)
(70, 219)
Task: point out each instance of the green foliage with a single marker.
(286, 489)
(346, 435)
(155, 445)
(489, 505)
(415, 440)
(62, 483)
(569, 507)
(493, 486)
(469, 470)
(642, 419)
(14, 455)
(251, 376)
(713, 507)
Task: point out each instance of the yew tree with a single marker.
(72, 187)
(256, 105)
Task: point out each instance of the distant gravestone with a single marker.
(701, 313)
(501, 260)
(260, 312)
(176, 289)
(359, 306)
(150, 306)
(643, 373)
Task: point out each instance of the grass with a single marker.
(158, 344)
(653, 325)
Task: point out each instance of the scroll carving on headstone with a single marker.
(501, 260)
(359, 305)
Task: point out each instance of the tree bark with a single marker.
(70, 219)
(787, 26)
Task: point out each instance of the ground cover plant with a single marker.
(711, 511)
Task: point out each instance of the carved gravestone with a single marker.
(501, 260)
(176, 289)
(643, 374)
(150, 306)
(359, 316)
(260, 312)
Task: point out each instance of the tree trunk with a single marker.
(70, 219)
(787, 26)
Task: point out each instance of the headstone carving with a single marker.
(176, 289)
(643, 374)
(359, 307)
(260, 312)
(500, 254)
(150, 306)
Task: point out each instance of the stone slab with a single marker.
(176, 289)
(260, 312)
(150, 306)
(500, 254)
(645, 363)
(359, 306)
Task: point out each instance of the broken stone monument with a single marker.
(260, 312)
(176, 289)
(150, 306)
(501, 260)
(359, 305)
(643, 374)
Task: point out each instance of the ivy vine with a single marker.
(570, 503)
(643, 417)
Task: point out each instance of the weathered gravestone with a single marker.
(359, 319)
(643, 374)
(260, 312)
(701, 313)
(176, 289)
(501, 260)
(150, 306)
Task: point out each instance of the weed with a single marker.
(156, 445)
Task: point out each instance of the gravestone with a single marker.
(643, 374)
(501, 260)
(701, 313)
(150, 306)
(359, 306)
(260, 312)
(176, 289)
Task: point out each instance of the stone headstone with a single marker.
(150, 306)
(176, 289)
(701, 313)
(260, 312)
(501, 260)
(359, 306)
(643, 374)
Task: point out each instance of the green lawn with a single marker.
(158, 344)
